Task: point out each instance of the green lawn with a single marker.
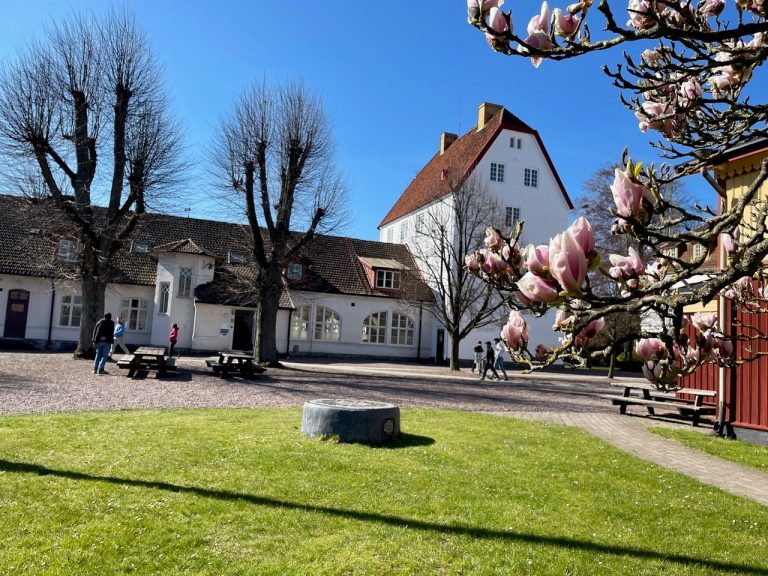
(744, 453)
(233, 492)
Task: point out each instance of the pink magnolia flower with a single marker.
(567, 261)
(625, 267)
(651, 56)
(589, 331)
(537, 259)
(472, 262)
(709, 8)
(493, 264)
(537, 289)
(515, 331)
(689, 92)
(541, 351)
(584, 235)
(651, 349)
(731, 241)
(566, 24)
(540, 22)
(704, 321)
(628, 194)
(640, 14)
(656, 271)
(493, 239)
(539, 41)
(579, 6)
(563, 321)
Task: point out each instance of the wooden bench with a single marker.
(149, 362)
(228, 362)
(653, 398)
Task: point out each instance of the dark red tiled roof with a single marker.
(457, 162)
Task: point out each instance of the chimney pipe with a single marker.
(485, 112)
(446, 139)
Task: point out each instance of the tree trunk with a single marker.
(93, 288)
(455, 353)
(265, 346)
(612, 364)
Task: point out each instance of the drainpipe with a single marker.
(418, 338)
(288, 339)
(50, 317)
(722, 302)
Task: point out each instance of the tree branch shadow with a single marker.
(390, 520)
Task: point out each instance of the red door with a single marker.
(16, 314)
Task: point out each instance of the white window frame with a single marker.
(375, 328)
(388, 279)
(327, 325)
(511, 216)
(390, 234)
(531, 178)
(698, 251)
(67, 250)
(401, 330)
(405, 231)
(164, 297)
(300, 323)
(134, 311)
(140, 246)
(294, 271)
(70, 309)
(185, 282)
(497, 172)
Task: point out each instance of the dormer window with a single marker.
(140, 246)
(294, 271)
(67, 250)
(388, 279)
(236, 257)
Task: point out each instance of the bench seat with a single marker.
(684, 407)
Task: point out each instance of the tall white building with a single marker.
(509, 160)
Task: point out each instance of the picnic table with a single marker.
(644, 394)
(236, 362)
(149, 358)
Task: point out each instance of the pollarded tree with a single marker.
(693, 89)
(447, 233)
(276, 155)
(84, 122)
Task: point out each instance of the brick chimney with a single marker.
(446, 139)
(485, 112)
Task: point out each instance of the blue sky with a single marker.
(392, 75)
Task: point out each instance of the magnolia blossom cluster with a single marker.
(663, 365)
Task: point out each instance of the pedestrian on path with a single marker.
(173, 338)
(500, 358)
(479, 358)
(103, 336)
(489, 360)
(119, 333)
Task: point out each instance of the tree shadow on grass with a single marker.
(397, 521)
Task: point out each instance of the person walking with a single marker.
(489, 359)
(103, 337)
(173, 338)
(119, 333)
(479, 358)
(500, 358)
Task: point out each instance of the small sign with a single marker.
(389, 426)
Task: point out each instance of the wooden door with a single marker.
(16, 314)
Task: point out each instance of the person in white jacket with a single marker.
(500, 352)
(119, 334)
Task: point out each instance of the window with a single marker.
(405, 231)
(134, 312)
(387, 279)
(497, 172)
(698, 251)
(185, 282)
(327, 324)
(390, 234)
(300, 323)
(531, 178)
(670, 252)
(511, 216)
(67, 250)
(420, 223)
(140, 246)
(375, 328)
(400, 329)
(401, 332)
(519, 143)
(236, 257)
(165, 293)
(294, 271)
(515, 143)
(71, 310)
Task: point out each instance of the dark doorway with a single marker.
(440, 352)
(16, 314)
(242, 336)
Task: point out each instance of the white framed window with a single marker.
(390, 235)
(698, 251)
(294, 271)
(185, 282)
(531, 178)
(405, 231)
(401, 330)
(511, 216)
(388, 279)
(327, 324)
(71, 310)
(140, 246)
(164, 296)
(236, 257)
(670, 252)
(67, 250)
(134, 312)
(375, 328)
(300, 323)
(420, 223)
(497, 172)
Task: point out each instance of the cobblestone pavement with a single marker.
(46, 382)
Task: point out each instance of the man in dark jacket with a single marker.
(103, 336)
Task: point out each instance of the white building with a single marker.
(340, 296)
(508, 157)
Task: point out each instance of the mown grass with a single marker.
(244, 492)
(744, 453)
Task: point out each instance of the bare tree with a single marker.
(84, 120)
(276, 154)
(446, 233)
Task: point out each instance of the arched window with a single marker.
(300, 323)
(327, 324)
(401, 331)
(375, 328)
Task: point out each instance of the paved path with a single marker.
(627, 433)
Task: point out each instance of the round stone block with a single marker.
(362, 421)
